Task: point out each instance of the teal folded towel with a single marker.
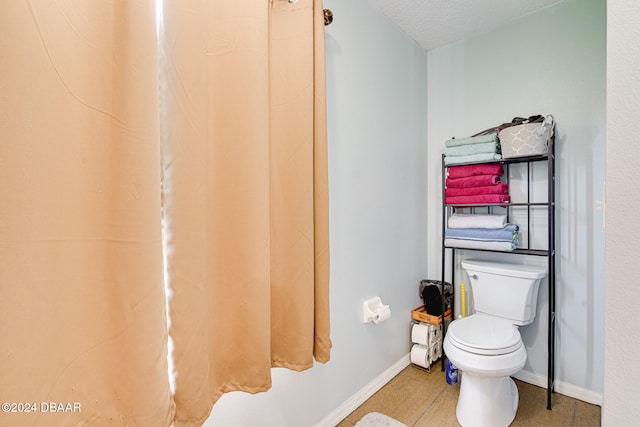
(492, 137)
(468, 149)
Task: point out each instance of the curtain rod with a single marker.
(328, 15)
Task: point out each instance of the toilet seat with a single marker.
(484, 335)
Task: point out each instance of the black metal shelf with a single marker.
(534, 252)
(488, 205)
(549, 252)
(512, 160)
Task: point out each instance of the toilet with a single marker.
(486, 346)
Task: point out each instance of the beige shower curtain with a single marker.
(83, 336)
(226, 162)
(245, 180)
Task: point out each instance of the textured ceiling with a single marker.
(435, 23)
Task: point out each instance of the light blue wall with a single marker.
(553, 62)
(376, 95)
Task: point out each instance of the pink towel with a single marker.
(478, 199)
(499, 188)
(479, 169)
(473, 181)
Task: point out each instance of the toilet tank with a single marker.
(504, 290)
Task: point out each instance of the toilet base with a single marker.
(486, 401)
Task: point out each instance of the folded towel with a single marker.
(459, 220)
(492, 137)
(506, 234)
(478, 199)
(477, 244)
(452, 160)
(479, 169)
(472, 181)
(499, 188)
(468, 149)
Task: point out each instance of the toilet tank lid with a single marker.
(504, 268)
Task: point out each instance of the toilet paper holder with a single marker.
(373, 310)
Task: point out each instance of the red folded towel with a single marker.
(479, 169)
(499, 188)
(473, 181)
(478, 199)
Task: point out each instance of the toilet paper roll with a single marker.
(436, 334)
(434, 353)
(382, 315)
(420, 355)
(420, 333)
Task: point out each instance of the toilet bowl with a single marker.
(487, 351)
(486, 346)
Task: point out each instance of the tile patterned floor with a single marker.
(423, 399)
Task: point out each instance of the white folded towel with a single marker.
(477, 221)
(479, 244)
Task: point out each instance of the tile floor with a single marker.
(419, 399)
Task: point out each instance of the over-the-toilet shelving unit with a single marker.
(549, 251)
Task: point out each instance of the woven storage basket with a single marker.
(528, 139)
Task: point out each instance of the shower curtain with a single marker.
(204, 171)
(245, 179)
(82, 309)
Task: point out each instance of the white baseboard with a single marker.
(561, 387)
(363, 394)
